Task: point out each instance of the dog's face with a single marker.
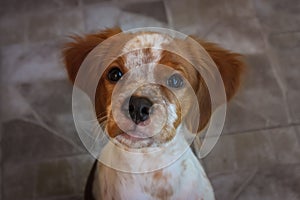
(146, 93)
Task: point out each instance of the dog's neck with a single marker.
(146, 159)
(182, 175)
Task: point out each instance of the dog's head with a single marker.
(147, 92)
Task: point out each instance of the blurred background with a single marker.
(258, 155)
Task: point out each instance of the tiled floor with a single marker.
(258, 155)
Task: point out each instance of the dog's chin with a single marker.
(131, 142)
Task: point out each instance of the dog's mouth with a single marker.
(130, 140)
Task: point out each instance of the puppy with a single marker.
(145, 107)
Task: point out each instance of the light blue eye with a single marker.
(175, 81)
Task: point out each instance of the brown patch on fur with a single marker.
(163, 190)
(230, 67)
(188, 72)
(112, 127)
(157, 175)
(75, 52)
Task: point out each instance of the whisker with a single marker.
(98, 118)
(102, 118)
(101, 114)
(103, 125)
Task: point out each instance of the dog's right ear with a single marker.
(76, 51)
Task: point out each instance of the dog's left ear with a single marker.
(230, 67)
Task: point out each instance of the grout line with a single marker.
(261, 129)
(262, 168)
(244, 185)
(297, 134)
(51, 159)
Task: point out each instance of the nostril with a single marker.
(145, 111)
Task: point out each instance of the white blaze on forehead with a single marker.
(146, 40)
(134, 49)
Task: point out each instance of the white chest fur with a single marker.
(183, 179)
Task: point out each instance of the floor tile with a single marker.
(227, 185)
(297, 129)
(129, 21)
(274, 184)
(232, 34)
(34, 62)
(13, 105)
(100, 16)
(19, 181)
(93, 2)
(12, 29)
(285, 49)
(254, 149)
(23, 7)
(68, 175)
(242, 8)
(55, 24)
(259, 99)
(200, 13)
(24, 142)
(278, 182)
(53, 106)
(277, 15)
(11, 6)
(153, 9)
(33, 5)
(62, 178)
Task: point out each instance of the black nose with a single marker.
(139, 108)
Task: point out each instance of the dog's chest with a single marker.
(184, 178)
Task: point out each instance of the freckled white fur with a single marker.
(146, 40)
(186, 176)
(172, 115)
(136, 56)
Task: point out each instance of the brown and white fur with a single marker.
(183, 178)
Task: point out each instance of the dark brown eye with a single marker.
(114, 74)
(175, 81)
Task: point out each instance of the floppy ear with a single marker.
(76, 51)
(229, 64)
(230, 67)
